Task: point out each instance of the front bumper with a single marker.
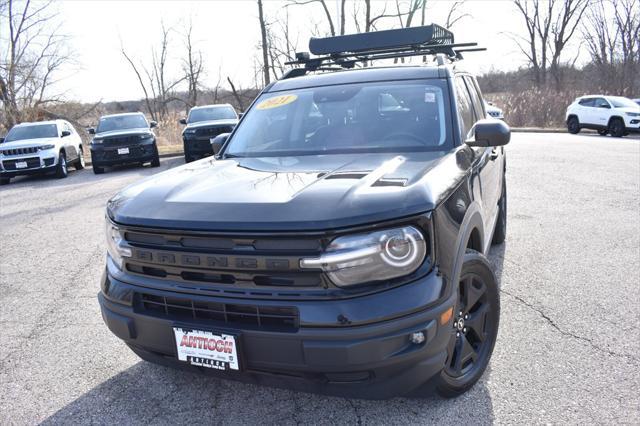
(632, 124)
(197, 146)
(373, 360)
(37, 163)
(109, 156)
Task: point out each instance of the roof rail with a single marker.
(345, 51)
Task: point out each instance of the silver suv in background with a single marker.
(40, 148)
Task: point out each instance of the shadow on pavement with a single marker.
(147, 393)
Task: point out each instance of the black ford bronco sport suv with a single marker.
(123, 139)
(203, 124)
(336, 242)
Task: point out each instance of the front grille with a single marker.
(32, 163)
(20, 151)
(121, 140)
(225, 314)
(213, 131)
(226, 265)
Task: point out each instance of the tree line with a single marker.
(554, 33)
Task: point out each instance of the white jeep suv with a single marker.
(41, 147)
(607, 114)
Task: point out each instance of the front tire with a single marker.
(475, 327)
(80, 164)
(62, 170)
(97, 169)
(616, 128)
(156, 159)
(5, 180)
(573, 125)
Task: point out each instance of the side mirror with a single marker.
(183, 121)
(490, 103)
(218, 141)
(490, 133)
(91, 131)
(65, 133)
(153, 124)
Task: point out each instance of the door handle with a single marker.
(494, 154)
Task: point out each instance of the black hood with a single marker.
(123, 132)
(288, 193)
(212, 123)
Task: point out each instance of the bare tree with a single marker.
(192, 66)
(264, 45)
(332, 29)
(562, 31)
(455, 14)
(158, 87)
(236, 94)
(32, 55)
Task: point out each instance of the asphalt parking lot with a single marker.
(568, 350)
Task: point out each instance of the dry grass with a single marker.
(534, 107)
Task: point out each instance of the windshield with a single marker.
(136, 121)
(620, 102)
(213, 113)
(32, 132)
(369, 117)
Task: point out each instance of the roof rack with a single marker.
(339, 52)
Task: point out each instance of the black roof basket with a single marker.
(346, 50)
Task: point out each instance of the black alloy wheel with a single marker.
(475, 327)
(61, 169)
(573, 125)
(616, 128)
(603, 132)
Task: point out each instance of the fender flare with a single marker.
(472, 221)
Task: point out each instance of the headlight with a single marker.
(50, 146)
(380, 255)
(146, 136)
(116, 245)
(633, 114)
(97, 140)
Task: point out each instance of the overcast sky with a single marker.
(227, 32)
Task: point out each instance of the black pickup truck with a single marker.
(203, 124)
(336, 242)
(123, 139)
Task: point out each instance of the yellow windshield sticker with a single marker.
(277, 101)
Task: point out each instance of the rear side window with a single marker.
(476, 98)
(588, 102)
(465, 110)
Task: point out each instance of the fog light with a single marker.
(417, 337)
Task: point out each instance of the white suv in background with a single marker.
(38, 148)
(607, 114)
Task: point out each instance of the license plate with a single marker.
(21, 164)
(123, 151)
(207, 349)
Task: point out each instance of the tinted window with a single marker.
(118, 122)
(465, 109)
(601, 103)
(476, 98)
(213, 113)
(588, 102)
(35, 131)
(370, 117)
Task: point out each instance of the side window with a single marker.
(465, 110)
(601, 103)
(476, 98)
(587, 102)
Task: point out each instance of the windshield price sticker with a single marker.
(277, 101)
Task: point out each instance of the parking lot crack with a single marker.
(566, 333)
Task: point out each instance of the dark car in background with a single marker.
(123, 139)
(203, 124)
